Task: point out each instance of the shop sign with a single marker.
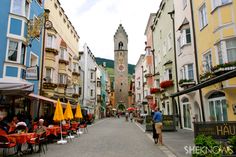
(32, 73)
(218, 130)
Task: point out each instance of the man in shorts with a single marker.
(157, 118)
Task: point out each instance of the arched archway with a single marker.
(121, 107)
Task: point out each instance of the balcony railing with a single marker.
(52, 50)
(185, 83)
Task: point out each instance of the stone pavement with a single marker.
(108, 138)
(176, 141)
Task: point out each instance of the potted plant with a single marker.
(232, 142)
(167, 83)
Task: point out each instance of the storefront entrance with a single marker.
(186, 113)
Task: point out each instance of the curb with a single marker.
(169, 151)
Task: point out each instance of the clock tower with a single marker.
(121, 67)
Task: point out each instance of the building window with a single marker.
(50, 41)
(187, 72)
(207, 62)
(23, 51)
(62, 79)
(91, 75)
(33, 59)
(63, 54)
(49, 75)
(231, 50)
(120, 46)
(120, 90)
(179, 45)
(70, 64)
(169, 41)
(217, 107)
(139, 84)
(184, 3)
(203, 16)
(164, 48)
(13, 51)
(20, 7)
(185, 37)
(190, 72)
(40, 2)
(217, 3)
(220, 52)
(91, 92)
(158, 83)
(168, 74)
(121, 84)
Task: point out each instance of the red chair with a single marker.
(84, 127)
(6, 143)
(3, 132)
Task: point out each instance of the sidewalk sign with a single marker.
(168, 122)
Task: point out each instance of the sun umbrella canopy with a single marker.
(131, 109)
(68, 115)
(78, 113)
(58, 114)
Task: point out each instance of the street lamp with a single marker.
(172, 13)
(46, 25)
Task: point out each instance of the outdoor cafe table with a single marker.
(53, 130)
(21, 138)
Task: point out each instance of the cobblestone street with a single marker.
(109, 137)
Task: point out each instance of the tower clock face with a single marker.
(121, 67)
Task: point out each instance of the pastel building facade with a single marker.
(186, 66)
(215, 23)
(17, 53)
(61, 57)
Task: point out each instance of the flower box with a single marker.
(166, 84)
(186, 83)
(154, 90)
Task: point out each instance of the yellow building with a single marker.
(215, 29)
(61, 65)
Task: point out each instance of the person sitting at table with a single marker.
(12, 124)
(39, 130)
(21, 126)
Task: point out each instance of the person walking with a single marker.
(131, 116)
(126, 116)
(154, 132)
(157, 118)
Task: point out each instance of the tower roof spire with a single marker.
(121, 29)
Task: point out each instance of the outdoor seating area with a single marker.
(18, 138)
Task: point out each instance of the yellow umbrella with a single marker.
(58, 114)
(68, 112)
(78, 113)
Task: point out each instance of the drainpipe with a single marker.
(176, 71)
(143, 88)
(196, 60)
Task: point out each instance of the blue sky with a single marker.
(97, 20)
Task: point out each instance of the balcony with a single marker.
(48, 84)
(223, 68)
(166, 84)
(184, 83)
(63, 60)
(52, 50)
(148, 75)
(75, 72)
(218, 70)
(155, 90)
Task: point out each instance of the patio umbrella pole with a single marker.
(61, 141)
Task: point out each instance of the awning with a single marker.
(217, 79)
(10, 86)
(39, 97)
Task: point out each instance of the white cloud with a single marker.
(96, 23)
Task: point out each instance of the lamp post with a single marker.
(172, 13)
(46, 24)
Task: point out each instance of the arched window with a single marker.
(217, 107)
(120, 45)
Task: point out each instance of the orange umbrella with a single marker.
(68, 115)
(78, 113)
(58, 114)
